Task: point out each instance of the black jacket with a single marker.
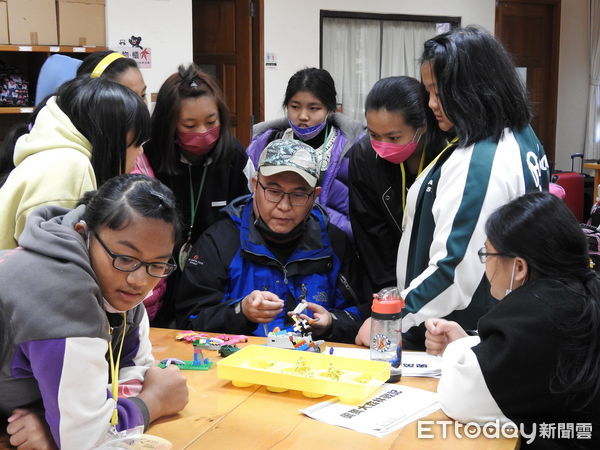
(224, 182)
(521, 340)
(376, 211)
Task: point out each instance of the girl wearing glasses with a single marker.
(477, 98)
(90, 131)
(81, 325)
(271, 251)
(310, 105)
(536, 357)
(383, 165)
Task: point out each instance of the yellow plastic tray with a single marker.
(280, 369)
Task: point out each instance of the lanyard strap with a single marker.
(450, 144)
(324, 146)
(419, 170)
(194, 201)
(114, 370)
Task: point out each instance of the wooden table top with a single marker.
(221, 416)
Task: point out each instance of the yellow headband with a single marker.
(104, 63)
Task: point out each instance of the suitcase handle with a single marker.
(574, 156)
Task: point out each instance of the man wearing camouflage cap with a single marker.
(274, 249)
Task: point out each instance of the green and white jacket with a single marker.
(438, 269)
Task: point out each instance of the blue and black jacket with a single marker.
(231, 259)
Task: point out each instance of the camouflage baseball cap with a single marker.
(289, 155)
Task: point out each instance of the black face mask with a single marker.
(273, 236)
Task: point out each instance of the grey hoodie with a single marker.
(58, 334)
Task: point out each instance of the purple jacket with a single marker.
(334, 188)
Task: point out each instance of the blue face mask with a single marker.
(306, 134)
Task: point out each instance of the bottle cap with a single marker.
(387, 301)
(387, 306)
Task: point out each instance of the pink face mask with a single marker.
(394, 153)
(199, 143)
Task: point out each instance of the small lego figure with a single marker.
(198, 360)
(332, 372)
(302, 368)
(300, 325)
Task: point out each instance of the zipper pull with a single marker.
(304, 290)
(285, 279)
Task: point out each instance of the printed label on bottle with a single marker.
(381, 343)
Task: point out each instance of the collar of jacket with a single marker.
(313, 245)
(350, 128)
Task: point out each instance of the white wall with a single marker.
(165, 27)
(573, 82)
(292, 31)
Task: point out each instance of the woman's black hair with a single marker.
(187, 82)
(7, 148)
(114, 70)
(105, 112)
(539, 228)
(316, 81)
(477, 84)
(122, 198)
(407, 97)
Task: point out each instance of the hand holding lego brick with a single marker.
(261, 306)
(321, 319)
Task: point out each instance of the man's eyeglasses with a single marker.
(295, 198)
(484, 254)
(126, 263)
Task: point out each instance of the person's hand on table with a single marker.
(440, 333)
(28, 431)
(321, 319)
(165, 391)
(364, 334)
(261, 306)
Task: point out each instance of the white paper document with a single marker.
(392, 407)
(414, 364)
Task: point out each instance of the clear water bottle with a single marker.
(386, 330)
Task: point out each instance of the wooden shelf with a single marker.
(16, 109)
(49, 49)
(29, 59)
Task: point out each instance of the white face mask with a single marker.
(512, 278)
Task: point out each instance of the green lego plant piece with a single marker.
(189, 365)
